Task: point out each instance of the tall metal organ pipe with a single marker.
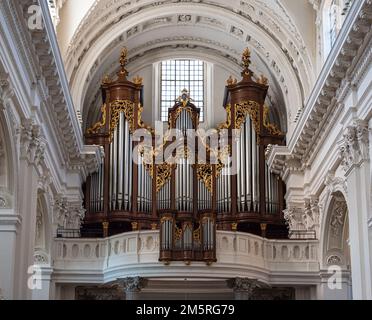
(121, 167)
(248, 169)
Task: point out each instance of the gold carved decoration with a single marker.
(205, 174)
(175, 115)
(137, 80)
(123, 61)
(197, 235)
(166, 219)
(106, 80)
(227, 124)
(246, 61)
(141, 124)
(242, 110)
(263, 80)
(125, 106)
(99, 125)
(231, 81)
(163, 175)
(271, 128)
(177, 233)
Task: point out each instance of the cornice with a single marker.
(345, 66)
(71, 140)
(39, 78)
(290, 51)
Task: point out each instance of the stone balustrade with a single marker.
(137, 253)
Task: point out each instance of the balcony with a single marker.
(137, 254)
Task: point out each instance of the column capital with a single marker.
(68, 214)
(133, 284)
(243, 285)
(354, 147)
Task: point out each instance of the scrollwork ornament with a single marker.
(101, 124)
(163, 175)
(205, 174)
(242, 110)
(125, 106)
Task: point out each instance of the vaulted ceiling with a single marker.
(281, 34)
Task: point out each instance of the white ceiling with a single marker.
(281, 35)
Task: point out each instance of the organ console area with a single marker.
(228, 188)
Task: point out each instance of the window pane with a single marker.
(177, 75)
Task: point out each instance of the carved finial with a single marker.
(246, 61)
(184, 98)
(123, 62)
(106, 79)
(231, 81)
(263, 80)
(138, 80)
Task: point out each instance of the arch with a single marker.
(282, 52)
(335, 232)
(333, 14)
(8, 163)
(43, 229)
(215, 64)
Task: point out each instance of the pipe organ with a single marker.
(186, 195)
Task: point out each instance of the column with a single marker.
(354, 152)
(45, 290)
(9, 224)
(32, 151)
(132, 287)
(243, 287)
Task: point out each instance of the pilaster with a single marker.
(354, 153)
(132, 287)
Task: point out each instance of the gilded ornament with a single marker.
(99, 125)
(123, 62)
(106, 80)
(204, 174)
(197, 235)
(177, 233)
(138, 81)
(263, 80)
(227, 124)
(163, 175)
(272, 128)
(231, 81)
(125, 106)
(242, 110)
(246, 61)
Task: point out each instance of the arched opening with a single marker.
(334, 14)
(42, 232)
(5, 168)
(336, 247)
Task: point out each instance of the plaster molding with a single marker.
(132, 284)
(89, 56)
(344, 64)
(68, 214)
(354, 148)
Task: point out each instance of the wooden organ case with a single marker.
(184, 195)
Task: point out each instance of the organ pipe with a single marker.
(187, 195)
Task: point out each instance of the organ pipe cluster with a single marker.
(189, 200)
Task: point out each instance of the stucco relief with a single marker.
(354, 148)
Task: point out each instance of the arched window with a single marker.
(334, 17)
(177, 75)
(335, 12)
